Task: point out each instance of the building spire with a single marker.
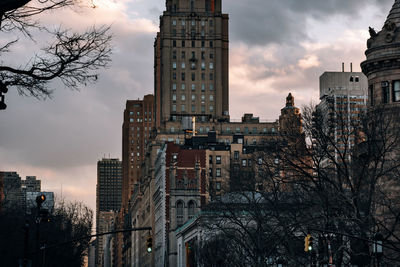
(394, 15)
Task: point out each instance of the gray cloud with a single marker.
(260, 22)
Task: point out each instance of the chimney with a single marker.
(351, 67)
(342, 66)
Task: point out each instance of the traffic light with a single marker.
(149, 243)
(39, 200)
(308, 243)
(3, 90)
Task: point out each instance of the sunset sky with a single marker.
(276, 47)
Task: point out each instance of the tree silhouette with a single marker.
(73, 58)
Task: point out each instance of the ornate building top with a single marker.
(383, 46)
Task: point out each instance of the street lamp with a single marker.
(377, 247)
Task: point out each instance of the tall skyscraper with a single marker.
(136, 130)
(191, 62)
(108, 194)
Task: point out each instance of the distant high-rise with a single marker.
(344, 97)
(136, 130)
(191, 61)
(108, 194)
(109, 184)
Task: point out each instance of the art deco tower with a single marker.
(191, 62)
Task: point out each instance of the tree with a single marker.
(68, 221)
(73, 58)
(342, 188)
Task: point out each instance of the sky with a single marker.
(276, 47)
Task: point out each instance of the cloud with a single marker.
(260, 22)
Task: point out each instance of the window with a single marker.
(191, 207)
(183, 76)
(203, 43)
(203, 65)
(174, 108)
(211, 22)
(183, 86)
(236, 155)
(211, 55)
(351, 79)
(203, 109)
(385, 92)
(174, 32)
(218, 159)
(211, 87)
(174, 97)
(183, 97)
(174, 43)
(174, 22)
(193, 76)
(183, 22)
(396, 91)
(210, 160)
(183, 32)
(183, 65)
(174, 54)
(371, 94)
(237, 129)
(183, 43)
(182, 108)
(203, 76)
(260, 160)
(244, 162)
(174, 65)
(218, 172)
(131, 120)
(193, 22)
(193, 108)
(193, 66)
(202, 55)
(211, 66)
(193, 87)
(203, 23)
(211, 108)
(357, 79)
(193, 97)
(172, 129)
(211, 44)
(179, 213)
(174, 75)
(193, 43)
(203, 97)
(211, 98)
(174, 86)
(203, 87)
(228, 129)
(249, 162)
(218, 186)
(211, 76)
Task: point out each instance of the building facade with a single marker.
(382, 65)
(108, 197)
(191, 61)
(344, 98)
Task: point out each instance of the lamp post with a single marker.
(377, 247)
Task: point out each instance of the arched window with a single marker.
(179, 213)
(191, 209)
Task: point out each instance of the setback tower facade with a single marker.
(191, 62)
